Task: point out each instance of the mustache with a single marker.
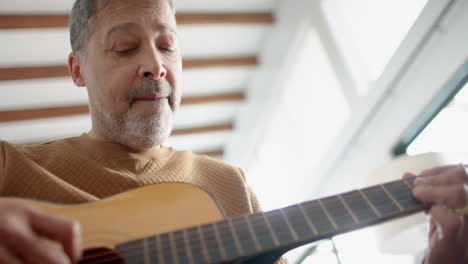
(160, 87)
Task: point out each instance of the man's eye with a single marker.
(168, 49)
(125, 51)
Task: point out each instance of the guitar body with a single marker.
(138, 213)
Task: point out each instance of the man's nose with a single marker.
(152, 65)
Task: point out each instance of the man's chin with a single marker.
(148, 111)
(147, 133)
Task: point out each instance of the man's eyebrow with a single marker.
(132, 25)
(164, 28)
(122, 27)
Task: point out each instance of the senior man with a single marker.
(126, 54)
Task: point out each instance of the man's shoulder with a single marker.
(206, 162)
(36, 148)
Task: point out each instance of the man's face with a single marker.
(132, 68)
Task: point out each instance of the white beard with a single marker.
(134, 131)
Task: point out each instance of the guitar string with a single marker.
(137, 249)
(379, 205)
(130, 247)
(129, 255)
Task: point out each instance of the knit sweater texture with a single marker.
(81, 169)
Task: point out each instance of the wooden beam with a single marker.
(31, 114)
(33, 72)
(220, 62)
(21, 21)
(39, 72)
(220, 98)
(197, 130)
(18, 21)
(224, 18)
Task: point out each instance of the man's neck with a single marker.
(93, 134)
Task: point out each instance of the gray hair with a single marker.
(83, 21)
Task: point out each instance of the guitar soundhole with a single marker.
(101, 256)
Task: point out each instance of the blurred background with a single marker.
(309, 97)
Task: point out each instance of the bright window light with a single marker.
(309, 116)
(356, 247)
(447, 131)
(369, 32)
(361, 247)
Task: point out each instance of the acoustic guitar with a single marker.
(180, 223)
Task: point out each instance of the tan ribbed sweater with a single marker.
(81, 169)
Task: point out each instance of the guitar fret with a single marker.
(159, 253)
(279, 226)
(211, 243)
(392, 198)
(370, 204)
(338, 212)
(146, 252)
(381, 200)
(261, 230)
(181, 246)
(317, 217)
(202, 242)
(236, 238)
(218, 239)
(174, 248)
(227, 239)
(356, 220)
(166, 249)
(258, 242)
(187, 247)
(291, 230)
(273, 235)
(246, 237)
(403, 194)
(194, 245)
(335, 226)
(309, 223)
(359, 207)
(252, 234)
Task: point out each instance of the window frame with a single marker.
(443, 98)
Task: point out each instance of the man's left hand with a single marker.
(446, 189)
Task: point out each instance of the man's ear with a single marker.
(74, 69)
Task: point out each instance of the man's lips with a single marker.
(150, 97)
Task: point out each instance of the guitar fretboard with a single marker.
(281, 229)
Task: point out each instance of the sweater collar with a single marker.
(108, 149)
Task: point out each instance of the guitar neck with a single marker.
(278, 230)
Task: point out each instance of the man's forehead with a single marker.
(128, 15)
(132, 26)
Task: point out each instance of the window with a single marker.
(443, 126)
(306, 121)
(369, 32)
